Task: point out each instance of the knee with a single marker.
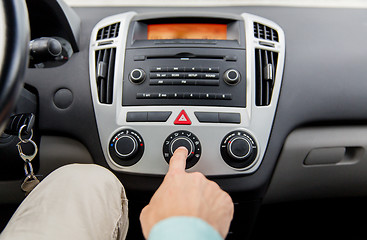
(85, 176)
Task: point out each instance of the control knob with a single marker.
(137, 76)
(185, 139)
(232, 76)
(126, 147)
(182, 141)
(238, 149)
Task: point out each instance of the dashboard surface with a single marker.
(323, 74)
(314, 142)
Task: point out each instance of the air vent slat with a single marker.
(256, 30)
(105, 68)
(110, 31)
(266, 64)
(264, 32)
(266, 79)
(111, 69)
(259, 77)
(106, 32)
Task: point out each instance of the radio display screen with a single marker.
(187, 31)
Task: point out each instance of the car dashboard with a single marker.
(269, 100)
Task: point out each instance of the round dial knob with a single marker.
(239, 149)
(186, 139)
(231, 76)
(137, 76)
(185, 142)
(126, 146)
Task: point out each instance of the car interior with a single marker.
(269, 99)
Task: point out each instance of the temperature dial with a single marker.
(238, 149)
(126, 147)
(186, 139)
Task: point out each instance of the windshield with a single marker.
(290, 3)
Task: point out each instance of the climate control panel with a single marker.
(238, 148)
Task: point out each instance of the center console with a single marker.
(209, 82)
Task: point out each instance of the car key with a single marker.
(30, 181)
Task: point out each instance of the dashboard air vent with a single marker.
(266, 65)
(264, 32)
(105, 68)
(110, 31)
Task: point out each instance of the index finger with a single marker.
(178, 160)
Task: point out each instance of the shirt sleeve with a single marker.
(183, 228)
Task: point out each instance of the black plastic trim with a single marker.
(16, 55)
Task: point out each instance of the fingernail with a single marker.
(182, 147)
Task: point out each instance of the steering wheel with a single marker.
(14, 40)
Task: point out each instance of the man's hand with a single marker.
(188, 194)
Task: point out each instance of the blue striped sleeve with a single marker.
(183, 228)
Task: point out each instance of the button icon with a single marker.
(182, 119)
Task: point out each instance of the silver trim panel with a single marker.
(257, 121)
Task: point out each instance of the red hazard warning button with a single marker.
(182, 119)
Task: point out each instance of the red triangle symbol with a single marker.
(182, 119)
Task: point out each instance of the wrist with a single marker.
(183, 227)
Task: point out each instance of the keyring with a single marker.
(20, 135)
(26, 166)
(25, 157)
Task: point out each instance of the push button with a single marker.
(175, 75)
(193, 69)
(207, 117)
(229, 118)
(148, 116)
(211, 76)
(175, 69)
(193, 75)
(182, 119)
(136, 116)
(211, 69)
(160, 82)
(191, 95)
(158, 116)
(207, 96)
(224, 96)
(218, 117)
(158, 75)
(158, 69)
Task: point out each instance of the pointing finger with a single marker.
(178, 160)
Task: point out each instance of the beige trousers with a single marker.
(83, 202)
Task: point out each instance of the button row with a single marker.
(185, 75)
(204, 117)
(185, 69)
(198, 82)
(147, 116)
(217, 96)
(218, 117)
